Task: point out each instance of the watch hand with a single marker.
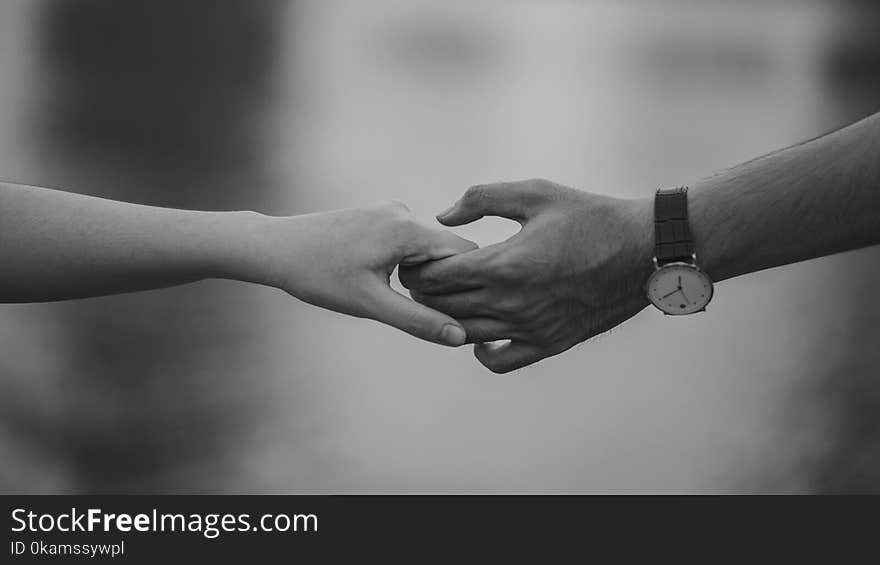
(679, 282)
(686, 299)
(670, 294)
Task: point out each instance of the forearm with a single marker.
(56, 245)
(807, 201)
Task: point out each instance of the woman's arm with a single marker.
(56, 245)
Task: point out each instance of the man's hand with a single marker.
(575, 269)
(342, 260)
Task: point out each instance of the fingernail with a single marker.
(453, 335)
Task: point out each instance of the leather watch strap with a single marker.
(672, 232)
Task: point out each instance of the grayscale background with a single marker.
(297, 106)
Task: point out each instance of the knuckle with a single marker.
(401, 219)
(475, 193)
(474, 334)
(511, 304)
(537, 187)
(384, 213)
(545, 188)
(390, 216)
(396, 205)
(506, 272)
(506, 266)
(404, 232)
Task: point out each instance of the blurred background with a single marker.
(295, 106)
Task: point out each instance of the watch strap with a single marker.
(672, 232)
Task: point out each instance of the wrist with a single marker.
(640, 215)
(243, 247)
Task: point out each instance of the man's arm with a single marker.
(56, 245)
(806, 201)
(578, 265)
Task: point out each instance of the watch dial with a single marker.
(679, 289)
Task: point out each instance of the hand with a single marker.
(342, 261)
(575, 269)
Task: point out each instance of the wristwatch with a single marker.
(677, 286)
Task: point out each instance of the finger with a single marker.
(513, 200)
(396, 310)
(467, 304)
(507, 357)
(481, 330)
(454, 274)
(431, 244)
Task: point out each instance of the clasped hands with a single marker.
(574, 270)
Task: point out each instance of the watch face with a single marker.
(679, 288)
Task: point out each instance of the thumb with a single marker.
(513, 200)
(394, 309)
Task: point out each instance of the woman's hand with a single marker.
(342, 260)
